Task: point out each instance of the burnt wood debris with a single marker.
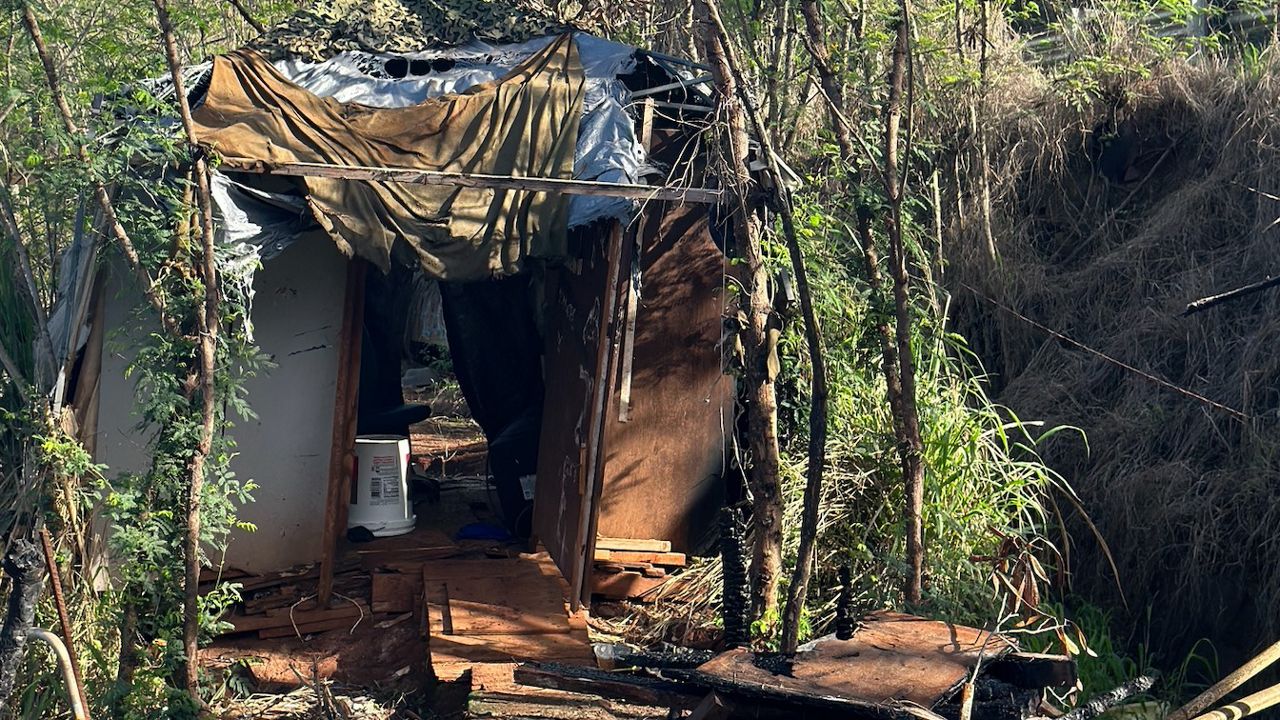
(23, 566)
(737, 588)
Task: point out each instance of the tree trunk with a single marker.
(895, 350)
(208, 322)
(798, 589)
(761, 402)
(910, 446)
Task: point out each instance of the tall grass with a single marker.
(984, 480)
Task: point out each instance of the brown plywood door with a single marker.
(581, 345)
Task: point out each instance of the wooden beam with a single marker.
(342, 439)
(634, 545)
(415, 176)
(1034, 670)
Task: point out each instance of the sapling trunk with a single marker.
(895, 355)
(798, 588)
(207, 321)
(763, 475)
(910, 446)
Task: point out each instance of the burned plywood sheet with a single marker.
(580, 306)
(671, 403)
(895, 660)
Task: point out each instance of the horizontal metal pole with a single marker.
(414, 176)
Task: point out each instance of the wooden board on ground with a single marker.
(571, 648)
(627, 585)
(521, 596)
(633, 545)
(669, 559)
(502, 610)
(395, 592)
(894, 659)
(421, 545)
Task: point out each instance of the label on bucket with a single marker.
(384, 481)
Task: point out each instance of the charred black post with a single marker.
(737, 587)
(23, 564)
(846, 622)
(1111, 698)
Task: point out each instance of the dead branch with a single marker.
(1111, 698)
(1205, 303)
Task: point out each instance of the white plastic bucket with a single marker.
(380, 487)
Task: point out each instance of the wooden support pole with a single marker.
(345, 396)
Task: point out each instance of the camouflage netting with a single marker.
(328, 27)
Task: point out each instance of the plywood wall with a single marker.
(297, 316)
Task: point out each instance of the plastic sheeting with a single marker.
(607, 149)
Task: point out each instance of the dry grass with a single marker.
(1185, 493)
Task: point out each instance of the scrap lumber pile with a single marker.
(626, 569)
(282, 604)
(473, 609)
(895, 667)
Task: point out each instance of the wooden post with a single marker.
(345, 396)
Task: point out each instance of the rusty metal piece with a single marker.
(64, 620)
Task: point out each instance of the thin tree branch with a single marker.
(15, 375)
(100, 193)
(248, 17)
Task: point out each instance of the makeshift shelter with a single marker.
(551, 181)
